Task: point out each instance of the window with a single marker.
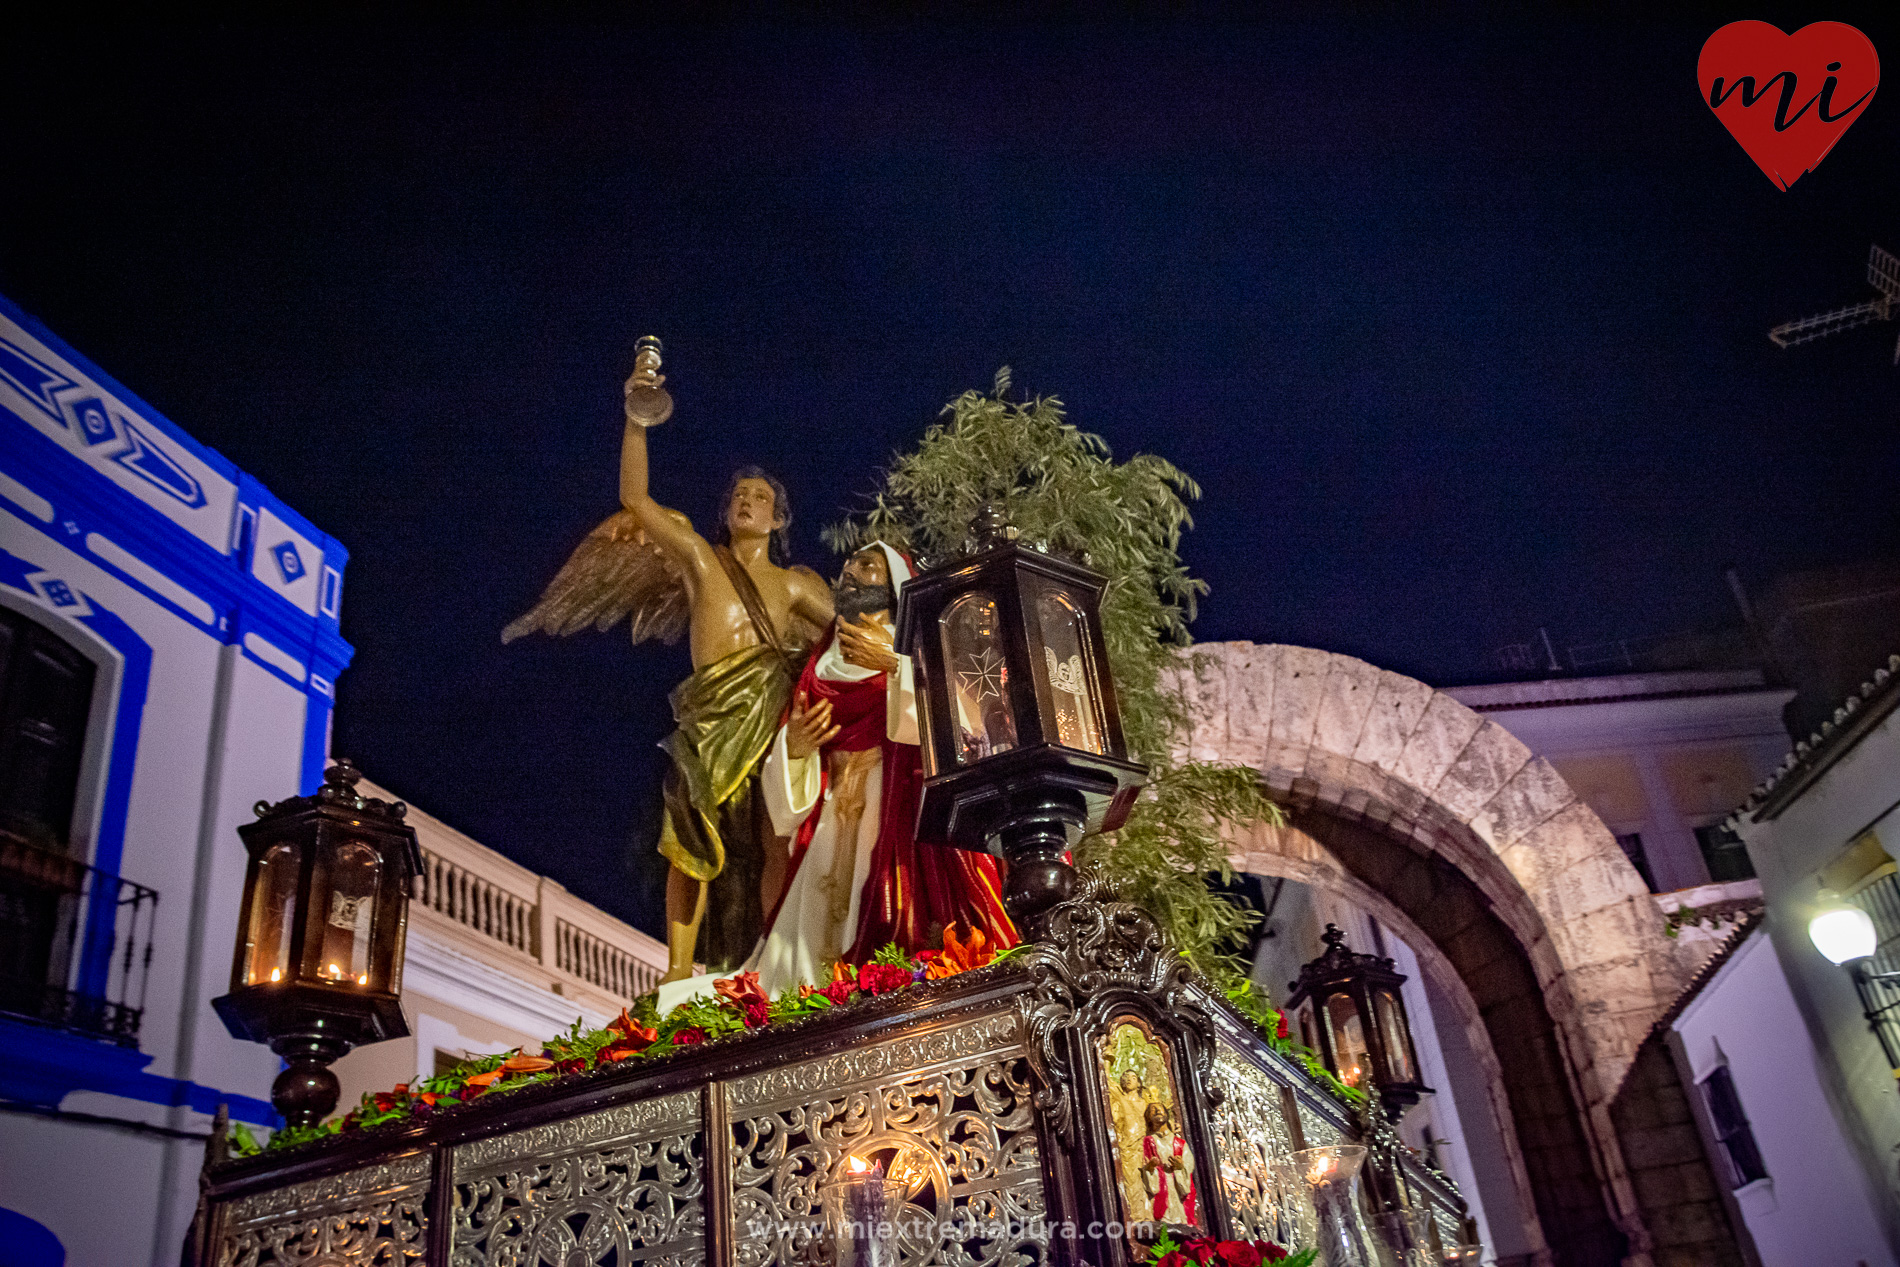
(1723, 850)
(1732, 1129)
(1632, 847)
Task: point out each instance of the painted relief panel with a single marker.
(1156, 1169)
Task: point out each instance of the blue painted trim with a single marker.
(35, 327)
(243, 602)
(27, 1242)
(45, 1065)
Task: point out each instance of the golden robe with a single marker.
(716, 827)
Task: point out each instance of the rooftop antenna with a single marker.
(1883, 274)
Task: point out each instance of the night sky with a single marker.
(1459, 322)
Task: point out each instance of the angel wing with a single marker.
(614, 574)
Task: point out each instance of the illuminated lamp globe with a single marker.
(1843, 933)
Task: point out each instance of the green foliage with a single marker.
(1061, 487)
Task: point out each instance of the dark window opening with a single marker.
(45, 698)
(1632, 847)
(1732, 1129)
(1725, 853)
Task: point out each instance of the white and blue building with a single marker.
(168, 645)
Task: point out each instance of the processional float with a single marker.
(1072, 1102)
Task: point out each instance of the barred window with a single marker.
(1732, 1129)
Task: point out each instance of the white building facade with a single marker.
(171, 641)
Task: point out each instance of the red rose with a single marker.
(879, 978)
(757, 1013)
(1174, 1258)
(1269, 1252)
(1239, 1254)
(839, 991)
(688, 1037)
(1201, 1249)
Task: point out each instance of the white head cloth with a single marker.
(832, 666)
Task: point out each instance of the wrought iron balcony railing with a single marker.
(75, 943)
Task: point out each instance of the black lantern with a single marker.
(318, 968)
(1022, 741)
(1351, 1013)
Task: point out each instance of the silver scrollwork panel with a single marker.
(1256, 1151)
(373, 1217)
(951, 1112)
(621, 1186)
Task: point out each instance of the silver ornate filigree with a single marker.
(950, 1112)
(373, 1217)
(621, 1186)
(1094, 953)
(1255, 1150)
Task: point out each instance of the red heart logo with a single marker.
(1787, 98)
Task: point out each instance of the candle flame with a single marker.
(363, 980)
(335, 971)
(276, 974)
(857, 1165)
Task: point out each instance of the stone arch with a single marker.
(1488, 856)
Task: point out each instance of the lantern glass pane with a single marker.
(355, 874)
(1071, 684)
(273, 916)
(1392, 1032)
(1349, 1039)
(980, 717)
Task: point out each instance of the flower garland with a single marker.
(738, 1004)
(1204, 1251)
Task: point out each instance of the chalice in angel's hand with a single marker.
(648, 403)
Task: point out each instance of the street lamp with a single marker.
(1845, 934)
(1351, 1012)
(318, 966)
(1022, 741)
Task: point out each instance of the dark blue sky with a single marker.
(1460, 322)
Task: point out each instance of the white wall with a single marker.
(1814, 1207)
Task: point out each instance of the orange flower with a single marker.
(959, 956)
(632, 1030)
(843, 973)
(521, 1063)
(482, 1079)
(429, 1098)
(742, 991)
(617, 1053)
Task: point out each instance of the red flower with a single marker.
(879, 978)
(1269, 1252)
(1174, 1258)
(1201, 1249)
(691, 1036)
(1239, 1254)
(839, 991)
(757, 1013)
(1280, 1030)
(573, 1064)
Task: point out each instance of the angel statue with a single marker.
(750, 619)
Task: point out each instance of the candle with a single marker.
(861, 1206)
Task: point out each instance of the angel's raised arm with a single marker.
(668, 529)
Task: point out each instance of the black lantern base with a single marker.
(309, 1026)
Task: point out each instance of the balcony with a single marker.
(75, 943)
(474, 900)
(993, 1094)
